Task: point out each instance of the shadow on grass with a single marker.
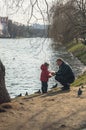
(52, 92)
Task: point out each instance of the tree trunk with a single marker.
(4, 96)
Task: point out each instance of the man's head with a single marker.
(59, 61)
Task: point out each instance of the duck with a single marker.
(79, 92)
(26, 94)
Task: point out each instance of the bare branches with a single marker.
(69, 20)
(81, 4)
(13, 6)
(47, 11)
(33, 9)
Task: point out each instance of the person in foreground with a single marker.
(44, 77)
(64, 75)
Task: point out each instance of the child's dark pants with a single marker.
(44, 87)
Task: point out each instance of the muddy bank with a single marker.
(55, 110)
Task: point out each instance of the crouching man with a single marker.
(64, 75)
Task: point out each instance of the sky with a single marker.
(21, 12)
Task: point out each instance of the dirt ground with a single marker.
(55, 110)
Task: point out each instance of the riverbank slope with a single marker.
(55, 110)
(78, 50)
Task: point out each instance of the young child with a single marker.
(44, 77)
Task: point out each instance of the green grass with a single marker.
(81, 80)
(79, 50)
(77, 47)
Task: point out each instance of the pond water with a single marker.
(22, 59)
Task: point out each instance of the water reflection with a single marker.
(22, 59)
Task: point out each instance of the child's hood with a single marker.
(43, 67)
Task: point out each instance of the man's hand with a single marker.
(53, 73)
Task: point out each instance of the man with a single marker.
(64, 75)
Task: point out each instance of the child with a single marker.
(45, 75)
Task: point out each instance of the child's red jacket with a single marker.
(45, 74)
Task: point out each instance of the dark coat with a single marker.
(65, 74)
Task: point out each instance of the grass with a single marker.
(75, 47)
(81, 80)
(78, 50)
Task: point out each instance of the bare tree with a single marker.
(68, 20)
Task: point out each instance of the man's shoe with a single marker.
(65, 89)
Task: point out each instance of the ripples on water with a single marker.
(22, 59)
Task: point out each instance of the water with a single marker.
(22, 59)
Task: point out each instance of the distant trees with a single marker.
(19, 30)
(68, 20)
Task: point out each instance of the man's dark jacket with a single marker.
(65, 74)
